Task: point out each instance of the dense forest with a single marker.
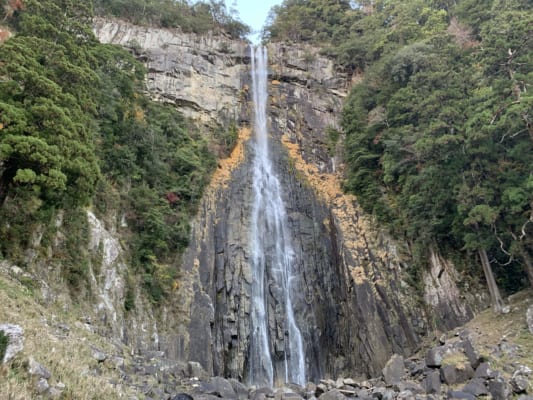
(77, 130)
(439, 132)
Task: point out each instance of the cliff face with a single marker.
(355, 308)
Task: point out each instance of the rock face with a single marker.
(351, 310)
(201, 75)
(354, 308)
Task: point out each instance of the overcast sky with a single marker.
(253, 12)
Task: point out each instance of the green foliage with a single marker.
(76, 130)
(199, 17)
(4, 341)
(438, 134)
(316, 21)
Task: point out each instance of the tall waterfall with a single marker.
(272, 255)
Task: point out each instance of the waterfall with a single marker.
(272, 255)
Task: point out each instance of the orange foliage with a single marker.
(12, 6)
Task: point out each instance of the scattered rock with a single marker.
(182, 396)
(453, 394)
(520, 380)
(195, 369)
(36, 369)
(483, 371)
(394, 370)
(15, 335)
(332, 395)
(470, 353)
(220, 387)
(453, 374)
(98, 354)
(41, 385)
(476, 387)
(529, 317)
(239, 388)
(499, 389)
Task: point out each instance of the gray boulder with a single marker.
(41, 385)
(239, 388)
(15, 335)
(453, 374)
(36, 369)
(499, 389)
(220, 387)
(434, 357)
(454, 394)
(520, 380)
(432, 382)
(476, 387)
(332, 395)
(394, 370)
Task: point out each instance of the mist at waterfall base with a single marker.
(272, 256)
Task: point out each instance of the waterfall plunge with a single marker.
(272, 254)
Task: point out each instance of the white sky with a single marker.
(253, 13)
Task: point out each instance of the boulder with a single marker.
(499, 389)
(453, 374)
(15, 344)
(471, 354)
(332, 395)
(432, 382)
(41, 385)
(98, 354)
(434, 357)
(239, 388)
(454, 394)
(394, 370)
(476, 387)
(483, 371)
(36, 369)
(220, 387)
(520, 385)
(195, 369)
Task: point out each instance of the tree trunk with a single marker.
(528, 264)
(496, 299)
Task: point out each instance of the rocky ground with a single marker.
(58, 355)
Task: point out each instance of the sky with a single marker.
(253, 13)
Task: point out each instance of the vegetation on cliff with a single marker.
(75, 131)
(198, 16)
(439, 136)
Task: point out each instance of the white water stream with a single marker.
(272, 253)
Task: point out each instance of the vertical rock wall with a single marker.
(353, 308)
